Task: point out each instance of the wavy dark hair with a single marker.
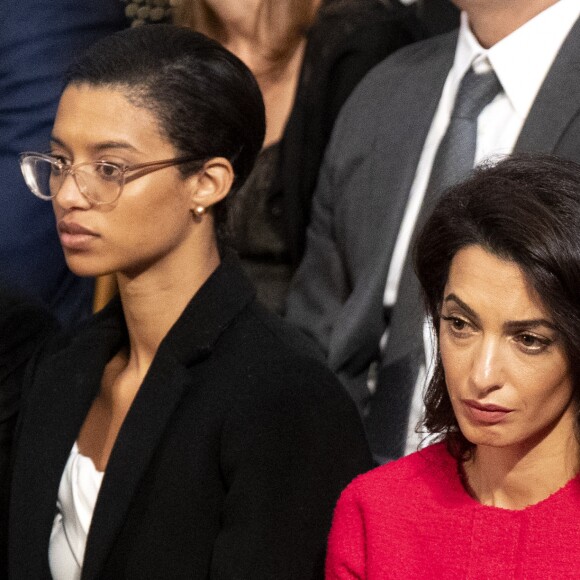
(205, 99)
(525, 209)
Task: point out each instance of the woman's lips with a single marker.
(73, 236)
(486, 413)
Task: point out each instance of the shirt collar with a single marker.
(522, 59)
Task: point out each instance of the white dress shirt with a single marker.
(521, 62)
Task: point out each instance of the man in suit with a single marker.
(38, 40)
(377, 169)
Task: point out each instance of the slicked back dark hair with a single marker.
(206, 100)
(525, 209)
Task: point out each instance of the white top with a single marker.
(77, 496)
(521, 62)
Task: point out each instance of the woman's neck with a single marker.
(278, 80)
(154, 300)
(515, 477)
(279, 86)
(232, 20)
(249, 35)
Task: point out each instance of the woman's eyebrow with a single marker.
(99, 147)
(451, 297)
(106, 145)
(56, 141)
(519, 325)
(509, 326)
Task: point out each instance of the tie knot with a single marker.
(475, 92)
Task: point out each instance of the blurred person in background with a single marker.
(307, 56)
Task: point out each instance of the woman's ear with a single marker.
(211, 184)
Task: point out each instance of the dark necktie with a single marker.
(387, 420)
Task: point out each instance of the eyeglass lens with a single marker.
(98, 182)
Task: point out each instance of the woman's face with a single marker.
(505, 366)
(151, 219)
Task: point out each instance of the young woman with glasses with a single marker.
(184, 432)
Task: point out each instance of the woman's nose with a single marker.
(69, 194)
(487, 370)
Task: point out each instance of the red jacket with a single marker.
(413, 519)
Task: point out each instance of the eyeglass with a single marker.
(100, 182)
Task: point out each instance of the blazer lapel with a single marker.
(190, 340)
(557, 102)
(146, 421)
(65, 385)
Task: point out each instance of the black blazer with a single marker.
(229, 461)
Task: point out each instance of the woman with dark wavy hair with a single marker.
(499, 494)
(184, 431)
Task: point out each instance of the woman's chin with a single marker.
(85, 268)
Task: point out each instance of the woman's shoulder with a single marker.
(278, 397)
(359, 33)
(276, 376)
(425, 473)
(392, 506)
(283, 337)
(280, 360)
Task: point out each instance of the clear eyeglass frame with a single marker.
(100, 182)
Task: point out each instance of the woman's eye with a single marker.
(56, 169)
(60, 159)
(531, 343)
(58, 164)
(108, 171)
(457, 325)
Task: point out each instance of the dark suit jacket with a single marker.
(337, 295)
(227, 465)
(38, 41)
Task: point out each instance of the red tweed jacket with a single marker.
(413, 519)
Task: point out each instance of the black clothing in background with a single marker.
(438, 16)
(228, 464)
(347, 39)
